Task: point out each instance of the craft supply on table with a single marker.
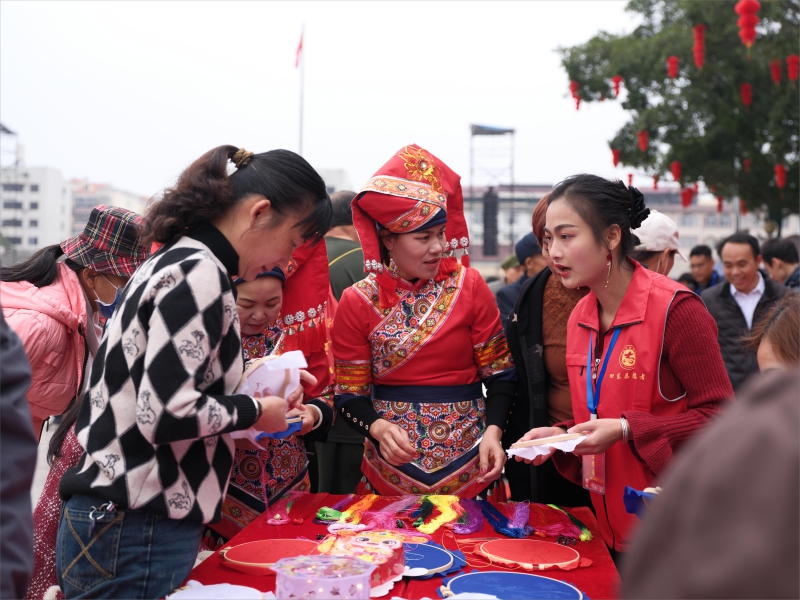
(257, 558)
(323, 577)
(532, 554)
(636, 501)
(472, 518)
(516, 527)
(194, 590)
(586, 535)
(531, 449)
(429, 559)
(509, 586)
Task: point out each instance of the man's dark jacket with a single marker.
(507, 298)
(739, 361)
(525, 340)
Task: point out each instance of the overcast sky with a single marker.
(129, 93)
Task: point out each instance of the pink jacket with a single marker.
(51, 321)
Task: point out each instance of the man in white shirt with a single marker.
(740, 305)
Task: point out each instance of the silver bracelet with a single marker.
(625, 429)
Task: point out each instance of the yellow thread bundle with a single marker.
(447, 513)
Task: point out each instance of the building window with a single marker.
(32, 241)
(33, 223)
(12, 204)
(725, 221)
(13, 187)
(34, 205)
(688, 220)
(710, 221)
(15, 240)
(689, 241)
(12, 222)
(34, 187)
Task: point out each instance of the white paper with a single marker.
(274, 376)
(531, 452)
(195, 590)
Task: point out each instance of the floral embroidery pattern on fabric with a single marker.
(416, 217)
(408, 326)
(493, 357)
(261, 344)
(421, 167)
(353, 377)
(441, 434)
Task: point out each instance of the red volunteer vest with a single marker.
(631, 383)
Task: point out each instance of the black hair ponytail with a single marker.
(41, 269)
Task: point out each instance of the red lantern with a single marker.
(630, 179)
(616, 80)
(616, 154)
(644, 140)
(672, 66)
(748, 19)
(746, 91)
(742, 207)
(574, 86)
(699, 48)
(675, 167)
(719, 203)
(780, 176)
(655, 182)
(695, 188)
(775, 70)
(792, 66)
(686, 197)
(746, 163)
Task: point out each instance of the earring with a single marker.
(392, 267)
(608, 264)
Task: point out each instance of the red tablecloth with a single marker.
(600, 580)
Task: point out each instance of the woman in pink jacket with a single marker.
(55, 306)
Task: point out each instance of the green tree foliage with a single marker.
(698, 118)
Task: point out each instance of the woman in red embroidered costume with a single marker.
(642, 339)
(263, 474)
(416, 338)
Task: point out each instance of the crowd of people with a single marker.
(420, 374)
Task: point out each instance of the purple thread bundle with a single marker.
(474, 520)
(522, 514)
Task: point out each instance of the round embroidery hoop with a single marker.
(531, 555)
(256, 558)
(431, 559)
(511, 586)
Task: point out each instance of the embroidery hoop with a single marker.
(257, 558)
(430, 558)
(564, 437)
(531, 555)
(509, 586)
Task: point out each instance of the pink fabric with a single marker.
(46, 319)
(46, 517)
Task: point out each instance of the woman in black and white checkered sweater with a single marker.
(155, 418)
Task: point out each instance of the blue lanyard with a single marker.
(593, 395)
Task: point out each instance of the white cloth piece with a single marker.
(531, 452)
(748, 302)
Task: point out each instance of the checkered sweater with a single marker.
(153, 421)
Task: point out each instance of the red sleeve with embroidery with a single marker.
(489, 346)
(351, 348)
(691, 361)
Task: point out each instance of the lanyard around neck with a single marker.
(593, 394)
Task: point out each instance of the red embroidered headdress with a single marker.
(414, 191)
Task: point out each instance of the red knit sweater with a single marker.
(691, 361)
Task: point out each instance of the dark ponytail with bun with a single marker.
(205, 191)
(603, 203)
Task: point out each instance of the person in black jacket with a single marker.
(740, 305)
(536, 334)
(18, 449)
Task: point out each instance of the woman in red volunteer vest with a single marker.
(644, 366)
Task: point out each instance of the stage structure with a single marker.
(491, 153)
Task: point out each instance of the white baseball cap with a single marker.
(658, 233)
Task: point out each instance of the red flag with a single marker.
(299, 52)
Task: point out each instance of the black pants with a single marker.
(339, 466)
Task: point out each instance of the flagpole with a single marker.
(302, 61)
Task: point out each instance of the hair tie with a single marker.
(637, 212)
(241, 158)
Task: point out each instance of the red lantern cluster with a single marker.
(746, 92)
(616, 80)
(742, 207)
(630, 179)
(719, 203)
(574, 86)
(675, 168)
(672, 66)
(776, 70)
(644, 140)
(746, 163)
(699, 48)
(616, 154)
(792, 66)
(655, 182)
(748, 19)
(780, 176)
(686, 197)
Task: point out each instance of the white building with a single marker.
(35, 209)
(87, 195)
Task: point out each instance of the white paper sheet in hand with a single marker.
(270, 376)
(531, 452)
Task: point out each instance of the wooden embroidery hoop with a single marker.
(531, 555)
(490, 582)
(257, 558)
(565, 437)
